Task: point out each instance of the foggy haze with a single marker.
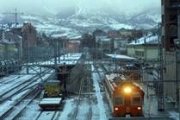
(52, 7)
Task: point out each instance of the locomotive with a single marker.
(51, 96)
(125, 97)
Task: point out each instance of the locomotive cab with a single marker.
(125, 97)
(128, 99)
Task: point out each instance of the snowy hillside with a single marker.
(146, 19)
(75, 23)
(111, 20)
(93, 21)
(48, 25)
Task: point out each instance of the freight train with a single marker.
(125, 97)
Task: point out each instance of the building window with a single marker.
(139, 53)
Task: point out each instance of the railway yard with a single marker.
(20, 95)
(90, 60)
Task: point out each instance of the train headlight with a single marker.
(139, 108)
(127, 90)
(116, 108)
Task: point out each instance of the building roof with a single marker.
(9, 37)
(122, 57)
(102, 38)
(150, 39)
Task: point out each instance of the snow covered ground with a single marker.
(174, 115)
(151, 102)
(68, 59)
(100, 104)
(14, 87)
(92, 106)
(95, 105)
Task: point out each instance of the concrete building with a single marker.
(10, 45)
(145, 49)
(120, 45)
(171, 48)
(104, 44)
(73, 46)
(29, 35)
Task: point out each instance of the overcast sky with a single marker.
(55, 6)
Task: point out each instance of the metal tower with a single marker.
(15, 13)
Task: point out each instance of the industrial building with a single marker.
(170, 36)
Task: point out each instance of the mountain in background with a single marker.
(145, 19)
(73, 21)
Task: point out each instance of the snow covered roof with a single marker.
(150, 39)
(9, 37)
(122, 57)
(5, 41)
(113, 76)
(102, 38)
(59, 35)
(68, 59)
(67, 34)
(74, 41)
(106, 39)
(50, 101)
(74, 37)
(119, 26)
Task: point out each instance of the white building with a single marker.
(145, 48)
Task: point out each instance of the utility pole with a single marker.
(177, 44)
(15, 13)
(160, 84)
(5, 53)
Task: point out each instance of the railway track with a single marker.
(146, 117)
(13, 77)
(74, 115)
(82, 102)
(16, 89)
(31, 90)
(99, 90)
(15, 112)
(48, 115)
(90, 113)
(38, 116)
(7, 80)
(142, 118)
(104, 69)
(9, 92)
(100, 70)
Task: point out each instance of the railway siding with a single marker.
(18, 98)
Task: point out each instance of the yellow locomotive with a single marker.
(51, 95)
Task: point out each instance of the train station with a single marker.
(89, 60)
